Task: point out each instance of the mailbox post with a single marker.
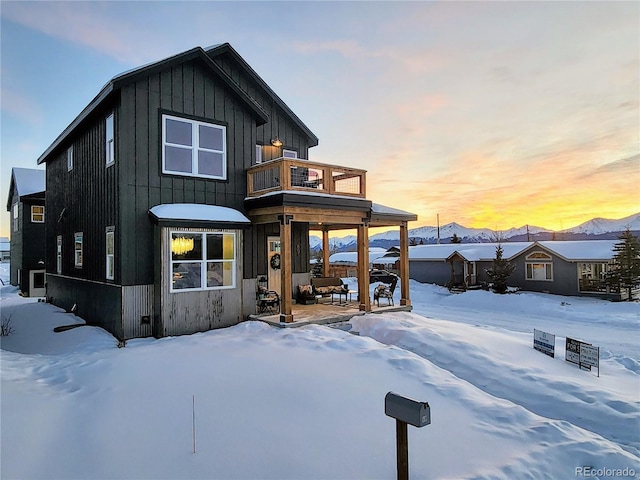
(405, 411)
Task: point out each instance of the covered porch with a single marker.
(326, 198)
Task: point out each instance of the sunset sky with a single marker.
(490, 114)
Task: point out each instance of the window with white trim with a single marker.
(37, 213)
(59, 254)
(202, 261)
(110, 153)
(539, 266)
(110, 253)
(77, 249)
(258, 154)
(193, 148)
(289, 153)
(15, 217)
(70, 158)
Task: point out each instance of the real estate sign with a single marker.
(582, 354)
(544, 342)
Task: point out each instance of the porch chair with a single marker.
(268, 301)
(384, 291)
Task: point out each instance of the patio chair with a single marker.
(384, 291)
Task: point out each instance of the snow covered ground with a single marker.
(308, 403)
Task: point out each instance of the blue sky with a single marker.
(490, 114)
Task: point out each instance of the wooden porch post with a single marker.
(286, 268)
(405, 298)
(325, 252)
(363, 266)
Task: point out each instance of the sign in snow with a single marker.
(572, 351)
(544, 342)
(590, 356)
(582, 354)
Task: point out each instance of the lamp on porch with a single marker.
(276, 142)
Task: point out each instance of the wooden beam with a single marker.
(405, 298)
(325, 252)
(363, 267)
(286, 270)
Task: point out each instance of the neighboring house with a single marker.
(181, 184)
(26, 205)
(5, 249)
(561, 267)
(344, 264)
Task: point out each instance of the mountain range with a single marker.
(594, 229)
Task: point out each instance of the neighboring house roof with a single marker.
(572, 251)
(227, 48)
(351, 258)
(127, 77)
(183, 214)
(577, 250)
(26, 181)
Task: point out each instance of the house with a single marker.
(344, 264)
(5, 249)
(574, 268)
(26, 204)
(182, 183)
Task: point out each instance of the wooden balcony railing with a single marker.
(302, 175)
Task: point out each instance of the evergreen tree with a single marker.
(455, 239)
(500, 272)
(625, 271)
(413, 242)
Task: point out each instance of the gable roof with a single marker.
(26, 181)
(571, 251)
(217, 50)
(130, 76)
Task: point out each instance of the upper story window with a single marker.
(193, 148)
(37, 213)
(109, 141)
(110, 253)
(15, 217)
(289, 153)
(70, 159)
(258, 154)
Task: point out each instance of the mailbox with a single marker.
(407, 410)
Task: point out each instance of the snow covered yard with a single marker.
(309, 402)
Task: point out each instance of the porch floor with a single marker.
(324, 313)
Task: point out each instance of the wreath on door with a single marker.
(275, 261)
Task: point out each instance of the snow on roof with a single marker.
(384, 210)
(582, 249)
(475, 252)
(352, 257)
(29, 180)
(197, 212)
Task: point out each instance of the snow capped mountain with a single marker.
(599, 228)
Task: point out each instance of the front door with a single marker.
(36, 283)
(274, 263)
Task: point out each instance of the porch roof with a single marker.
(197, 215)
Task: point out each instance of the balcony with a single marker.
(289, 174)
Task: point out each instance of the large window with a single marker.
(110, 253)
(37, 213)
(193, 148)
(202, 261)
(109, 141)
(77, 248)
(539, 266)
